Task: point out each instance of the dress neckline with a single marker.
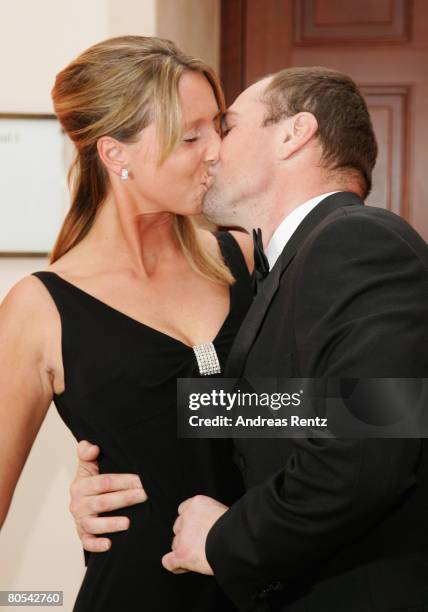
(140, 323)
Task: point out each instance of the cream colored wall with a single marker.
(132, 17)
(194, 25)
(38, 545)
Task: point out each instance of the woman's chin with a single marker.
(197, 204)
(191, 210)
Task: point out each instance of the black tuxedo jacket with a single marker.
(333, 525)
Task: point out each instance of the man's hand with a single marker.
(91, 493)
(195, 518)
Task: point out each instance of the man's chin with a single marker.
(216, 217)
(212, 211)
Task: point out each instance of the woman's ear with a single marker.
(112, 154)
(296, 132)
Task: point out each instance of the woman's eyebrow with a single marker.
(188, 125)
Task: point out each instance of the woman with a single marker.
(132, 289)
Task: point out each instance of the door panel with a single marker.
(382, 45)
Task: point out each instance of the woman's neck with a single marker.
(138, 241)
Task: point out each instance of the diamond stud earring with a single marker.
(124, 175)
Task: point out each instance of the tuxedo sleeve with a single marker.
(361, 310)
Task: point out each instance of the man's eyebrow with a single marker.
(229, 112)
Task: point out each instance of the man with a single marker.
(326, 524)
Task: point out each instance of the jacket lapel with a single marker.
(254, 318)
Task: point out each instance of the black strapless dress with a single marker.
(120, 393)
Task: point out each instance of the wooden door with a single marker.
(381, 44)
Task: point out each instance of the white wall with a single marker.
(37, 40)
(38, 545)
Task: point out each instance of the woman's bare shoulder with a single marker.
(68, 263)
(28, 303)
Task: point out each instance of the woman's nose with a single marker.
(213, 148)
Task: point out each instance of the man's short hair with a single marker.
(345, 129)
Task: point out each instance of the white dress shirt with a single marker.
(288, 226)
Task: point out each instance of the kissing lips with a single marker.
(207, 182)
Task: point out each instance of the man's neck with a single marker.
(280, 207)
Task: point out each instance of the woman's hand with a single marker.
(92, 493)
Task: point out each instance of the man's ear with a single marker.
(296, 132)
(112, 153)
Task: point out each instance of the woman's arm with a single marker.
(26, 386)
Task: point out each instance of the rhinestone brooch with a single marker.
(207, 359)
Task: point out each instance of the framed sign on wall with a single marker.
(33, 191)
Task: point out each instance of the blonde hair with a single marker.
(116, 88)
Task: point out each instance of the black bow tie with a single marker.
(261, 263)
